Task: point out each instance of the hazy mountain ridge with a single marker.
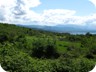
(64, 28)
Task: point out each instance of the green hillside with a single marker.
(29, 50)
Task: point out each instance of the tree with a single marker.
(3, 37)
(43, 48)
(88, 34)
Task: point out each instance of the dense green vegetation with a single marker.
(29, 50)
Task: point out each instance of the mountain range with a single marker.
(69, 28)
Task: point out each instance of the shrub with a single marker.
(44, 48)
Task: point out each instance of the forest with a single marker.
(30, 50)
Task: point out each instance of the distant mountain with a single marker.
(69, 28)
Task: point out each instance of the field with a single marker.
(29, 50)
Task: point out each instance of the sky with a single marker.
(48, 12)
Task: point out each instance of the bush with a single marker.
(82, 65)
(3, 38)
(44, 48)
(14, 60)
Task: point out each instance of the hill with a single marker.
(69, 28)
(32, 50)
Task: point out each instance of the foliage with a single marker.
(29, 50)
(44, 48)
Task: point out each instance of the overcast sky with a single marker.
(48, 12)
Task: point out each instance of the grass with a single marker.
(61, 45)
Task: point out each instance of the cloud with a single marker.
(20, 12)
(57, 16)
(17, 11)
(93, 2)
(62, 16)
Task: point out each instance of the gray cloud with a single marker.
(2, 18)
(16, 10)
